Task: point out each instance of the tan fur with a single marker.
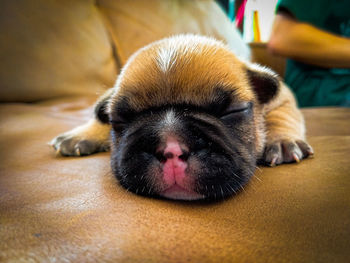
(192, 84)
(171, 71)
(283, 119)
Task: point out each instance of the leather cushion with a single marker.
(51, 48)
(134, 24)
(72, 209)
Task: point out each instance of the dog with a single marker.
(189, 120)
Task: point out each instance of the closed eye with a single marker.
(237, 108)
(118, 124)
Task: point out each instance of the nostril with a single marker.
(169, 155)
(160, 157)
(184, 156)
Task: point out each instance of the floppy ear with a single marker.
(101, 107)
(264, 81)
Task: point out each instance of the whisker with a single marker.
(233, 190)
(242, 187)
(142, 176)
(254, 175)
(222, 192)
(257, 177)
(228, 190)
(236, 175)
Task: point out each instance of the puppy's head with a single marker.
(186, 120)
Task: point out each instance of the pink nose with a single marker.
(175, 157)
(173, 149)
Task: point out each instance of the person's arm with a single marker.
(308, 44)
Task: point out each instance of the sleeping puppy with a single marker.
(188, 120)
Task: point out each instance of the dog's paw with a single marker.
(286, 151)
(83, 140)
(70, 145)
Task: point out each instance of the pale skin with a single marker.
(306, 43)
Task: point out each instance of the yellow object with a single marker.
(256, 28)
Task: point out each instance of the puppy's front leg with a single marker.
(88, 138)
(285, 141)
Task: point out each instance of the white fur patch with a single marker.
(169, 119)
(260, 68)
(166, 58)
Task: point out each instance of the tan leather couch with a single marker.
(56, 57)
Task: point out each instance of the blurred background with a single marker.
(253, 18)
(50, 48)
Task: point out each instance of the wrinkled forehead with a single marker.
(176, 73)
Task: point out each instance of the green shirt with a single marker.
(315, 86)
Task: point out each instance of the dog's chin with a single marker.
(177, 192)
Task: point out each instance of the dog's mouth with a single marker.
(174, 161)
(175, 172)
(178, 192)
